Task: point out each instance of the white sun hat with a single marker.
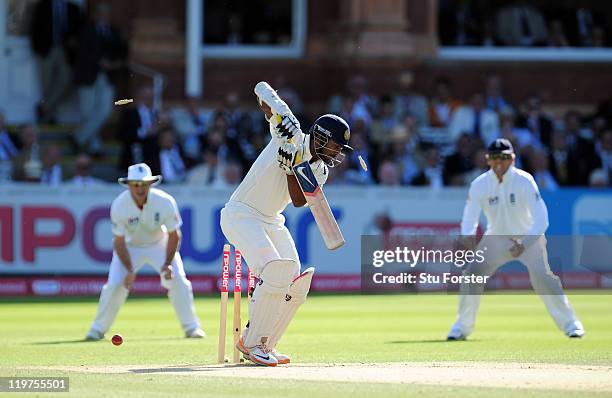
(140, 172)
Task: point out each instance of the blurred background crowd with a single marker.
(432, 138)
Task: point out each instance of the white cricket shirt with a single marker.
(144, 227)
(512, 207)
(265, 188)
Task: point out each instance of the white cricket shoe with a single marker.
(575, 334)
(94, 335)
(455, 335)
(196, 333)
(242, 348)
(282, 359)
(262, 356)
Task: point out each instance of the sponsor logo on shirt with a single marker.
(493, 200)
(132, 220)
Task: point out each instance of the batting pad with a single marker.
(295, 298)
(267, 301)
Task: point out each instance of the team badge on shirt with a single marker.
(157, 218)
(512, 199)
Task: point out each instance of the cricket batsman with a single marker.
(252, 221)
(516, 221)
(146, 230)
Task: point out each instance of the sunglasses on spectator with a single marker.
(499, 156)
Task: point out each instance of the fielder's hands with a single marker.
(517, 248)
(288, 156)
(286, 129)
(128, 281)
(166, 272)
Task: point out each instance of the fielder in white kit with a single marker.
(517, 219)
(146, 230)
(252, 221)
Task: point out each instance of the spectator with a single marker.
(541, 172)
(599, 179)
(405, 152)
(82, 173)
(442, 105)
(521, 24)
(26, 165)
(386, 120)
(8, 142)
(558, 158)
(408, 102)
(534, 119)
(102, 52)
(388, 174)
(495, 100)
(468, 31)
(476, 120)
(556, 37)
(362, 104)
(479, 161)
(599, 37)
(431, 174)
(604, 150)
(209, 172)
(232, 175)
(138, 129)
(51, 173)
(582, 157)
(54, 30)
(581, 22)
(459, 162)
(190, 124)
(170, 161)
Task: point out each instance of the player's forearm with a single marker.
(295, 192)
(122, 252)
(174, 240)
(540, 223)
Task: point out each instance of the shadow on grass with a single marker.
(424, 341)
(203, 368)
(62, 342)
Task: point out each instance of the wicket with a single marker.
(225, 275)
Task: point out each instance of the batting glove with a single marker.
(288, 156)
(287, 128)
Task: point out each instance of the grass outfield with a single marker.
(40, 337)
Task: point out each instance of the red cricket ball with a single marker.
(117, 339)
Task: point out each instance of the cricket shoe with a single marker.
(196, 333)
(282, 359)
(575, 334)
(242, 348)
(262, 356)
(94, 335)
(455, 335)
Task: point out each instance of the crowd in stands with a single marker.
(406, 138)
(523, 23)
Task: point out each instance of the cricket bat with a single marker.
(330, 231)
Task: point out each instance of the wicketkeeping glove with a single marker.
(286, 128)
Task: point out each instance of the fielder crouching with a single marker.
(146, 230)
(252, 221)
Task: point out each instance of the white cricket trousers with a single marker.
(545, 283)
(113, 293)
(259, 238)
